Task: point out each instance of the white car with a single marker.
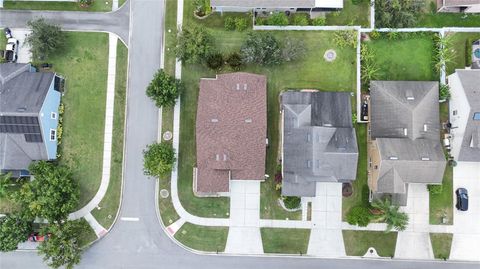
(11, 50)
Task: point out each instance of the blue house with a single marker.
(29, 103)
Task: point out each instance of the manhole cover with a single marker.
(167, 135)
(164, 193)
(330, 55)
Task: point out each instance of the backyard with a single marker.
(351, 14)
(212, 239)
(459, 43)
(285, 241)
(358, 242)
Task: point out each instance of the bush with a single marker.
(229, 23)
(300, 19)
(214, 61)
(468, 51)
(319, 21)
(278, 18)
(444, 92)
(374, 34)
(234, 60)
(261, 48)
(261, 21)
(241, 24)
(435, 189)
(291, 202)
(345, 39)
(359, 216)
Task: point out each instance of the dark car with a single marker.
(462, 199)
(8, 33)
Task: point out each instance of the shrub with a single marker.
(359, 216)
(392, 35)
(261, 48)
(345, 39)
(234, 60)
(468, 51)
(229, 23)
(444, 92)
(291, 202)
(278, 18)
(435, 189)
(319, 21)
(300, 19)
(374, 34)
(85, 3)
(214, 61)
(241, 24)
(261, 21)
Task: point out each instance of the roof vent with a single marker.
(309, 137)
(224, 157)
(214, 120)
(393, 158)
(217, 157)
(245, 86)
(409, 95)
(21, 109)
(248, 120)
(405, 131)
(327, 124)
(309, 164)
(238, 86)
(425, 159)
(425, 127)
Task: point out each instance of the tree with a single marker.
(194, 43)
(261, 48)
(164, 89)
(397, 13)
(214, 61)
(52, 195)
(14, 229)
(293, 49)
(391, 214)
(62, 247)
(158, 159)
(45, 39)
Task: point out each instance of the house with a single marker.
(465, 115)
(231, 131)
(404, 138)
(319, 143)
(275, 5)
(29, 102)
(467, 6)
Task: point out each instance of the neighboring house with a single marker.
(231, 131)
(318, 141)
(465, 115)
(467, 6)
(275, 5)
(29, 102)
(404, 138)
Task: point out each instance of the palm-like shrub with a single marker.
(391, 215)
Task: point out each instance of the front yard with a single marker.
(285, 241)
(212, 239)
(52, 5)
(358, 242)
(441, 245)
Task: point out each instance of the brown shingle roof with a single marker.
(231, 129)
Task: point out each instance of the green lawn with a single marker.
(87, 235)
(360, 185)
(170, 35)
(212, 239)
(6, 204)
(286, 241)
(441, 245)
(84, 65)
(459, 44)
(405, 59)
(109, 204)
(351, 14)
(448, 20)
(441, 205)
(358, 242)
(47, 5)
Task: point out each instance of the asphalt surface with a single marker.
(143, 244)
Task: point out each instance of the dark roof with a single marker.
(470, 149)
(319, 141)
(405, 122)
(263, 3)
(22, 91)
(231, 130)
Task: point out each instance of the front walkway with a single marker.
(244, 234)
(326, 239)
(466, 237)
(414, 242)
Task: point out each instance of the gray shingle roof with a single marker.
(319, 141)
(406, 125)
(470, 149)
(263, 3)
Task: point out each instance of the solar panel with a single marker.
(33, 138)
(19, 125)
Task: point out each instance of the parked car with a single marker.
(8, 33)
(11, 50)
(36, 237)
(462, 199)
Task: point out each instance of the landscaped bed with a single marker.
(52, 5)
(441, 245)
(84, 66)
(212, 239)
(358, 242)
(287, 241)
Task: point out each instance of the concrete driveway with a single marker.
(466, 238)
(244, 234)
(24, 54)
(326, 238)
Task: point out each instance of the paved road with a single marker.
(143, 244)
